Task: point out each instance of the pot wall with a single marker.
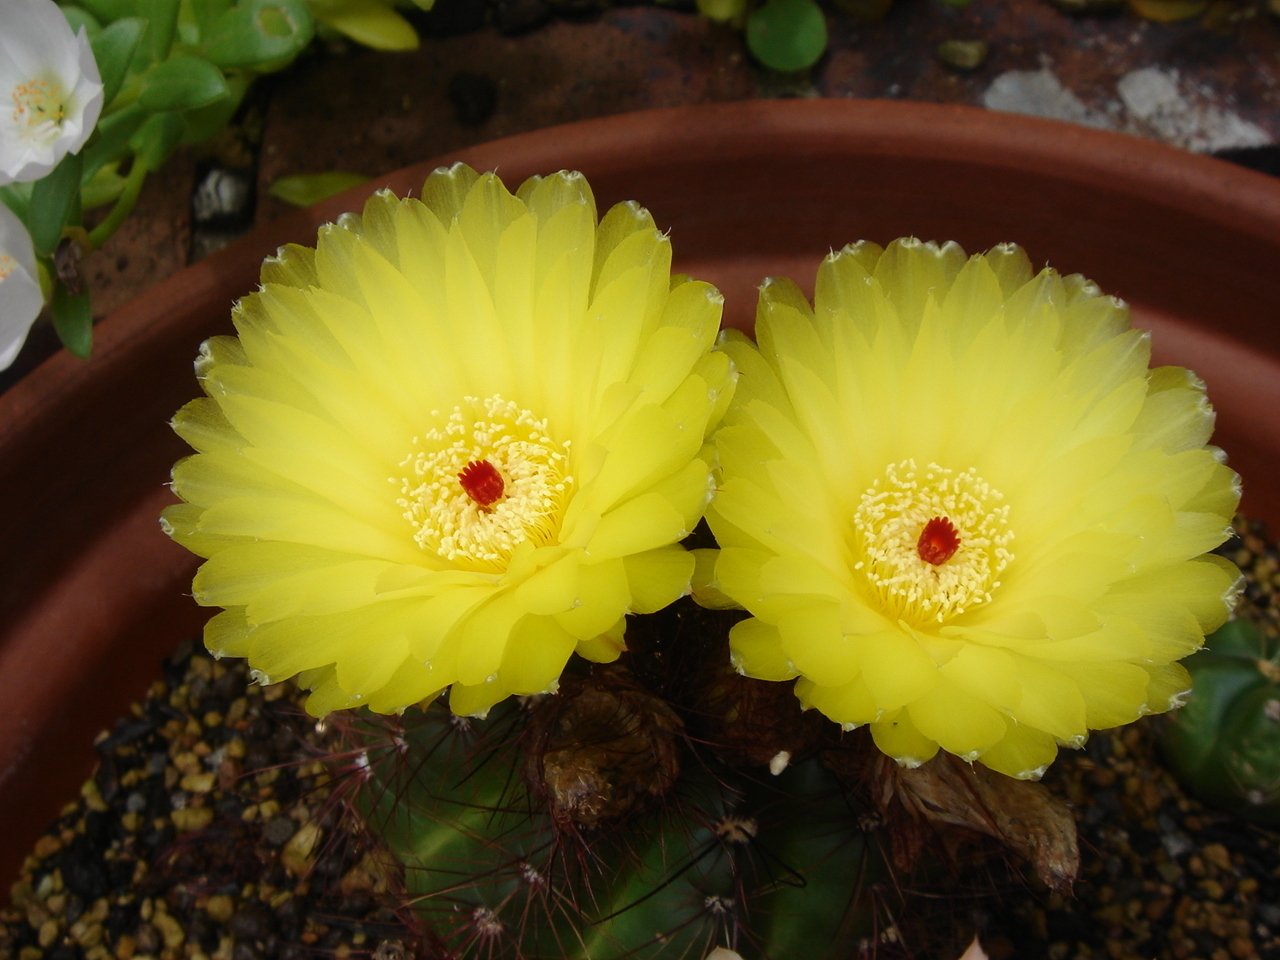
(92, 594)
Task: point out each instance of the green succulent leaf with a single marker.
(111, 139)
(156, 140)
(304, 189)
(17, 197)
(102, 188)
(113, 49)
(53, 201)
(204, 122)
(162, 22)
(369, 22)
(107, 11)
(73, 320)
(259, 32)
(80, 17)
(181, 83)
(787, 35)
(205, 12)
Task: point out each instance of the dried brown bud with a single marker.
(601, 748)
(757, 722)
(948, 793)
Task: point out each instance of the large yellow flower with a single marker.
(963, 510)
(454, 443)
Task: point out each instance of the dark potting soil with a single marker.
(214, 829)
(209, 830)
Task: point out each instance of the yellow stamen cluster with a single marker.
(38, 102)
(889, 519)
(446, 520)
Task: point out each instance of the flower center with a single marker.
(482, 483)
(938, 541)
(483, 479)
(7, 266)
(37, 105)
(933, 542)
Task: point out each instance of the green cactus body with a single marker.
(769, 866)
(1225, 743)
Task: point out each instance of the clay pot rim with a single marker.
(1197, 184)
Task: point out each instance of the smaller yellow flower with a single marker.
(453, 444)
(962, 509)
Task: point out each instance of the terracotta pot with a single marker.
(92, 595)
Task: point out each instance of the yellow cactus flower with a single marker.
(454, 443)
(962, 509)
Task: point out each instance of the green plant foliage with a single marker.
(1224, 745)
(162, 22)
(256, 33)
(102, 188)
(54, 200)
(787, 35)
(73, 320)
(304, 189)
(80, 17)
(204, 122)
(114, 49)
(111, 139)
(156, 140)
(181, 83)
(370, 22)
(108, 10)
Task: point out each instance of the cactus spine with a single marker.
(592, 825)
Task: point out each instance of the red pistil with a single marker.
(938, 541)
(482, 482)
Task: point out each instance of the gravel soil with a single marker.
(210, 830)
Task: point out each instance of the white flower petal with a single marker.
(20, 296)
(50, 89)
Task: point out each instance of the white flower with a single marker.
(50, 90)
(20, 297)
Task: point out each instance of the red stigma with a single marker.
(938, 541)
(482, 482)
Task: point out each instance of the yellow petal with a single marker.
(605, 647)
(227, 634)
(849, 704)
(958, 722)
(756, 650)
(1023, 753)
(411, 683)
(535, 655)
(899, 738)
(553, 589)
(814, 641)
(897, 671)
(658, 577)
(603, 598)
(481, 639)
(475, 700)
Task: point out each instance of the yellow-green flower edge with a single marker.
(923, 386)
(414, 341)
